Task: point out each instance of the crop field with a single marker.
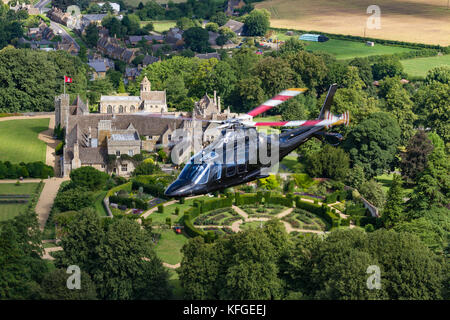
(422, 21)
(19, 140)
(421, 66)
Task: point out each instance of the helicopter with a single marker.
(232, 158)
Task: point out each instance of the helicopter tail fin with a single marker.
(328, 101)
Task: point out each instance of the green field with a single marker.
(10, 210)
(169, 246)
(160, 25)
(420, 66)
(344, 49)
(19, 140)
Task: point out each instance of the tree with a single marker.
(117, 255)
(440, 74)
(433, 184)
(54, 287)
(387, 67)
(275, 74)
(91, 37)
(394, 208)
(35, 85)
(292, 45)
(329, 162)
(433, 107)
(297, 108)
(248, 94)
(257, 23)
(74, 199)
(212, 26)
(399, 104)
(364, 69)
(196, 38)
(335, 267)
(88, 177)
(269, 183)
(310, 67)
(220, 18)
(373, 192)
(414, 159)
(372, 144)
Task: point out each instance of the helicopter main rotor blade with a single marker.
(277, 100)
(332, 120)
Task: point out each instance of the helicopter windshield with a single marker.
(197, 173)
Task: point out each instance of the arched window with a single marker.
(132, 109)
(109, 109)
(120, 109)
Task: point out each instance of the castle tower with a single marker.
(145, 85)
(61, 110)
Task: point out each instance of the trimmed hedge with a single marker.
(202, 207)
(125, 186)
(322, 211)
(338, 196)
(138, 203)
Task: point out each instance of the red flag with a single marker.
(67, 79)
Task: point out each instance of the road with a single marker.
(41, 4)
(63, 33)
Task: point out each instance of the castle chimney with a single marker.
(218, 105)
(215, 98)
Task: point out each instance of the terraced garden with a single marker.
(303, 219)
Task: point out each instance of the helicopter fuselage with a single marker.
(236, 157)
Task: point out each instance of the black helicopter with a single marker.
(232, 159)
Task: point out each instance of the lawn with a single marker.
(420, 66)
(345, 49)
(10, 210)
(386, 181)
(291, 164)
(169, 246)
(174, 282)
(169, 211)
(19, 140)
(98, 203)
(252, 225)
(160, 25)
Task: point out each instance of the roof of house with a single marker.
(234, 25)
(94, 17)
(149, 60)
(98, 65)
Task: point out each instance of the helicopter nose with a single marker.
(179, 189)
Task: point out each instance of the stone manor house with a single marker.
(124, 127)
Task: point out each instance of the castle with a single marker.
(108, 140)
(147, 101)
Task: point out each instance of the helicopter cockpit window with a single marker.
(231, 169)
(216, 171)
(197, 173)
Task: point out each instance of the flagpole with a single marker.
(64, 84)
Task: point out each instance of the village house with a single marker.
(111, 47)
(100, 66)
(58, 16)
(232, 6)
(68, 46)
(205, 56)
(235, 26)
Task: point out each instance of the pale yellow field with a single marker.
(423, 21)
